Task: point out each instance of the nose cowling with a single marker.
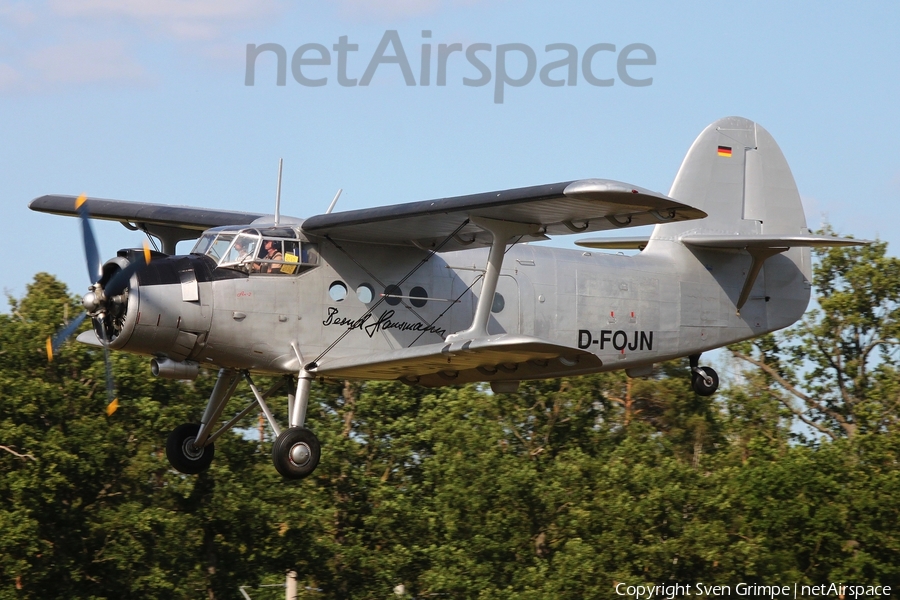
(165, 311)
(108, 300)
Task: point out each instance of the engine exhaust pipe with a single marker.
(170, 369)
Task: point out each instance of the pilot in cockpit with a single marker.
(269, 251)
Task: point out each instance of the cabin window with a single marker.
(270, 251)
(365, 293)
(337, 290)
(284, 257)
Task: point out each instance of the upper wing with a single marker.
(161, 220)
(560, 208)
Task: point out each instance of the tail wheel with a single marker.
(183, 455)
(705, 386)
(296, 453)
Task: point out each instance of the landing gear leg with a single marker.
(704, 380)
(296, 451)
(189, 447)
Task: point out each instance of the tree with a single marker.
(91, 508)
(837, 369)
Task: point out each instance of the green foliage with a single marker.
(838, 367)
(560, 491)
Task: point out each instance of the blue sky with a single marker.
(145, 100)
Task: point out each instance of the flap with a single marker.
(560, 208)
(500, 357)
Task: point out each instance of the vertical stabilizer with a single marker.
(737, 174)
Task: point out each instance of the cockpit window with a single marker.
(269, 251)
(285, 257)
(219, 248)
(203, 243)
(241, 252)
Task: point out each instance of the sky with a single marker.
(148, 101)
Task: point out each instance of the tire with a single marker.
(296, 453)
(182, 456)
(700, 386)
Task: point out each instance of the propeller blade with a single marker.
(63, 334)
(120, 280)
(91, 254)
(110, 384)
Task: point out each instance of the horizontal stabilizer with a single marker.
(615, 243)
(500, 357)
(770, 241)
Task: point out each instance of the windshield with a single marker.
(203, 243)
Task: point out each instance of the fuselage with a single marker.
(362, 299)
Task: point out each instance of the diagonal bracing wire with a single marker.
(383, 298)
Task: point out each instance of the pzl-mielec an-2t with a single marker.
(448, 291)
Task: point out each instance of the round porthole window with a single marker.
(365, 293)
(499, 303)
(392, 295)
(337, 291)
(418, 296)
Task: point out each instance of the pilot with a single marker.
(270, 251)
(240, 250)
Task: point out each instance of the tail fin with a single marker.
(737, 174)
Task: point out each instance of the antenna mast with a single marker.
(278, 193)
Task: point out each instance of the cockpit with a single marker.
(264, 251)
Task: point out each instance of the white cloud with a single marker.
(815, 218)
(86, 61)
(10, 78)
(47, 43)
(182, 19)
(397, 8)
(166, 9)
(17, 13)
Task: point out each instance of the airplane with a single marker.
(450, 291)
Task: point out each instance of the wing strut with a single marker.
(502, 232)
(758, 256)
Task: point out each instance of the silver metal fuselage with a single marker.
(630, 311)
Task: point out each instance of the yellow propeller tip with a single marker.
(111, 407)
(146, 253)
(49, 350)
(81, 200)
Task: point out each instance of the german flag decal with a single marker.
(725, 151)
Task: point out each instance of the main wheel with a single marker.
(296, 452)
(183, 455)
(701, 387)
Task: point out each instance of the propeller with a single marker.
(101, 301)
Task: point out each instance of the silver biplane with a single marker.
(449, 291)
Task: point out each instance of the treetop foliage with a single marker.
(560, 491)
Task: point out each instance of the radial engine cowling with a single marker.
(161, 313)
